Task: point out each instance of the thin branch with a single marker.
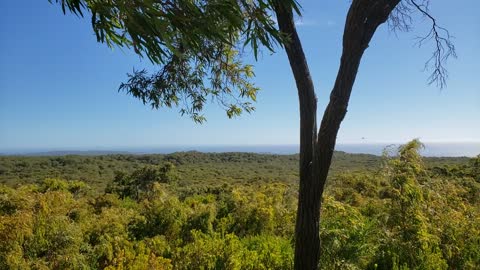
(400, 19)
(444, 47)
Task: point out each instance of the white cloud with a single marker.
(305, 22)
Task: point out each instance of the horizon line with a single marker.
(94, 148)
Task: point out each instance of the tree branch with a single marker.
(444, 48)
(401, 19)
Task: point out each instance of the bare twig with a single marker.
(401, 20)
(444, 47)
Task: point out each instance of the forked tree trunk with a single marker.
(316, 150)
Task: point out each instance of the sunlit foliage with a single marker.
(196, 44)
(404, 214)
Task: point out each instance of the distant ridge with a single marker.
(467, 149)
(69, 153)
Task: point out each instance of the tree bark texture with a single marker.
(316, 149)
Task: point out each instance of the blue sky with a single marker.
(58, 86)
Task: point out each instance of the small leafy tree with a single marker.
(410, 244)
(475, 168)
(168, 173)
(141, 180)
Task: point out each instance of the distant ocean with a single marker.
(469, 149)
(431, 149)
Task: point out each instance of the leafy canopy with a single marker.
(197, 45)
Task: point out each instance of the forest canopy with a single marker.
(395, 212)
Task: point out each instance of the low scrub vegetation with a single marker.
(399, 214)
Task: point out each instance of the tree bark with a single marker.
(307, 242)
(364, 16)
(316, 151)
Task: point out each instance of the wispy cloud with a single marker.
(331, 23)
(300, 22)
(304, 22)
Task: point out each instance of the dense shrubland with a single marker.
(399, 213)
(193, 168)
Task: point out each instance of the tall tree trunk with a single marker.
(316, 151)
(307, 242)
